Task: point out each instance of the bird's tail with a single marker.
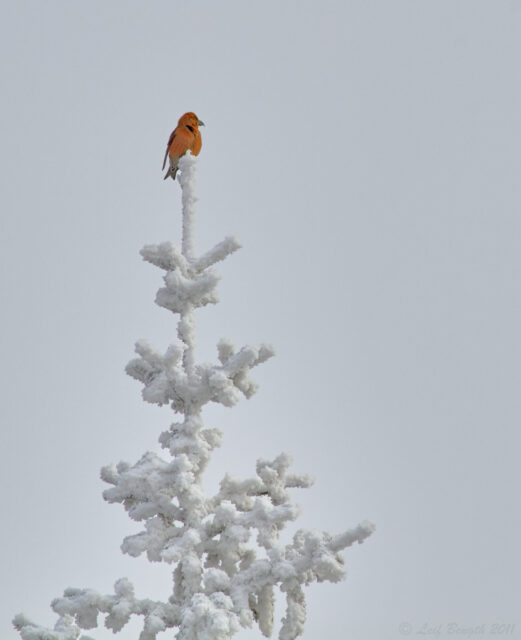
(172, 171)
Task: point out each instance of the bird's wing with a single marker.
(164, 159)
(170, 140)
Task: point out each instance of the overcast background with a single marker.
(367, 154)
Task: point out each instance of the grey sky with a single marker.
(367, 155)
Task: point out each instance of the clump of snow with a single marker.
(220, 582)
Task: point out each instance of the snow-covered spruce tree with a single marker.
(220, 583)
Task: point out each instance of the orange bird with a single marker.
(185, 137)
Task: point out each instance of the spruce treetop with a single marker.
(224, 549)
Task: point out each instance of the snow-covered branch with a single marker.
(165, 379)
(218, 253)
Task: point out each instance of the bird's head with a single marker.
(191, 120)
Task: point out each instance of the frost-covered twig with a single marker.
(218, 253)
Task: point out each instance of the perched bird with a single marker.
(185, 137)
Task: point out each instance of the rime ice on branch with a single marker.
(220, 583)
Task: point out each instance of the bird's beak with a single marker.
(200, 123)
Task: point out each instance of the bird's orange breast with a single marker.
(183, 139)
(197, 144)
